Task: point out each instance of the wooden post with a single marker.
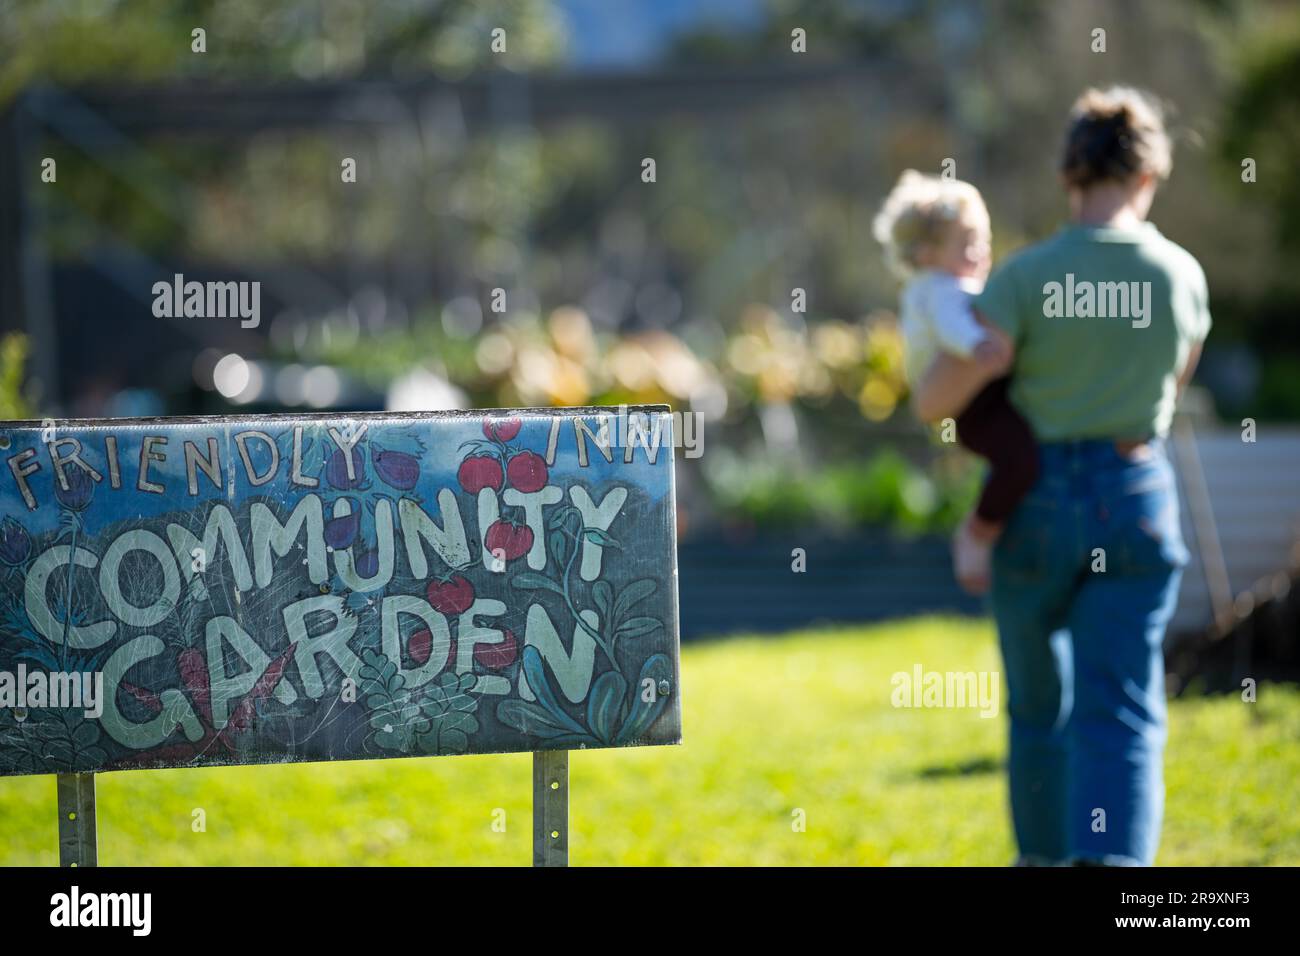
(77, 840)
(1213, 565)
(550, 808)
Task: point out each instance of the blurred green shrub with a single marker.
(1279, 388)
(884, 490)
(13, 353)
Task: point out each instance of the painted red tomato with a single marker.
(496, 656)
(507, 540)
(478, 472)
(420, 646)
(526, 471)
(501, 429)
(453, 596)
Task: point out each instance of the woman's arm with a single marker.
(1189, 369)
(950, 382)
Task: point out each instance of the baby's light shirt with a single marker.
(936, 314)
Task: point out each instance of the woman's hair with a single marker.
(919, 211)
(1114, 135)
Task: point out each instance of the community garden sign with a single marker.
(211, 591)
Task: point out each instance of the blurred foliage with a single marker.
(13, 353)
(564, 359)
(1279, 388)
(73, 41)
(1263, 123)
(775, 198)
(885, 489)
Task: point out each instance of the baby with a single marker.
(936, 236)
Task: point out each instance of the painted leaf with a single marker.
(534, 581)
(632, 594)
(529, 718)
(603, 538)
(558, 545)
(603, 595)
(535, 673)
(656, 668)
(605, 705)
(636, 626)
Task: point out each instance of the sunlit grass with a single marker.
(772, 726)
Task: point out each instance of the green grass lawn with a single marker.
(772, 726)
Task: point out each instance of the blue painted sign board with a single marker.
(209, 591)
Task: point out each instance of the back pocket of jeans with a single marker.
(1147, 536)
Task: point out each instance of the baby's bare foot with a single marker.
(972, 560)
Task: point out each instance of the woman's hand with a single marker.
(950, 382)
(994, 355)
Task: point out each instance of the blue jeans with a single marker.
(1085, 577)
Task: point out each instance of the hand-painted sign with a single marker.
(184, 592)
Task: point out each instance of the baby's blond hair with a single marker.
(919, 211)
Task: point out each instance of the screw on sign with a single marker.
(479, 582)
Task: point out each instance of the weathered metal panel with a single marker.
(276, 588)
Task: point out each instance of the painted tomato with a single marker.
(526, 471)
(478, 472)
(507, 540)
(501, 429)
(420, 646)
(453, 596)
(496, 656)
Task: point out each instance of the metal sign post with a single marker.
(77, 838)
(551, 808)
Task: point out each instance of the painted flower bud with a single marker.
(336, 472)
(15, 542)
(340, 532)
(81, 488)
(396, 468)
(368, 563)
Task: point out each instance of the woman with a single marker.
(1103, 325)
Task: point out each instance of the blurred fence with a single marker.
(1254, 493)
(749, 582)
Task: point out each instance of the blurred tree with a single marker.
(1262, 127)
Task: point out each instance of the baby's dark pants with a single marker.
(993, 429)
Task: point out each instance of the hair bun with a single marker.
(1114, 135)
